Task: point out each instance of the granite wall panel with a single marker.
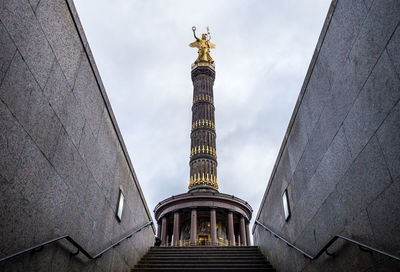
(62, 35)
(378, 96)
(392, 50)
(27, 35)
(344, 172)
(62, 157)
(390, 142)
(7, 51)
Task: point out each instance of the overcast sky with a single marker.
(263, 51)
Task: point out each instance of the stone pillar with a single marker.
(248, 233)
(231, 235)
(213, 220)
(164, 231)
(159, 230)
(242, 232)
(193, 227)
(176, 228)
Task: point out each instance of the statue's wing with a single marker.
(194, 44)
(213, 46)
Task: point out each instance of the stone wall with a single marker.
(340, 158)
(62, 157)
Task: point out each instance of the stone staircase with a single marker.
(204, 258)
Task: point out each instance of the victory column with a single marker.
(203, 215)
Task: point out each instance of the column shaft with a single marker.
(159, 230)
(164, 231)
(176, 228)
(248, 234)
(213, 220)
(193, 227)
(231, 235)
(243, 239)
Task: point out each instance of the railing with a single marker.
(361, 246)
(40, 246)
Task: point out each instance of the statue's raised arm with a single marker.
(204, 45)
(194, 33)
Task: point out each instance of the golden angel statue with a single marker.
(204, 45)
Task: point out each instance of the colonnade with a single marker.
(243, 235)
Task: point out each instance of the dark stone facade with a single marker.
(340, 158)
(62, 157)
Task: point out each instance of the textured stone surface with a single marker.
(60, 31)
(368, 3)
(62, 160)
(367, 177)
(393, 48)
(379, 25)
(360, 229)
(11, 143)
(88, 95)
(297, 141)
(22, 25)
(34, 3)
(39, 182)
(390, 141)
(7, 51)
(377, 97)
(335, 162)
(318, 143)
(317, 94)
(343, 30)
(25, 100)
(385, 222)
(343, 148)
(14, 212)
(64, 103)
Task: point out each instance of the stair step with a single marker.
(201, 261)
(223, 258)
(205, 265)
(208, 250)
(204, 259)
(204, 254)
(204, 269)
